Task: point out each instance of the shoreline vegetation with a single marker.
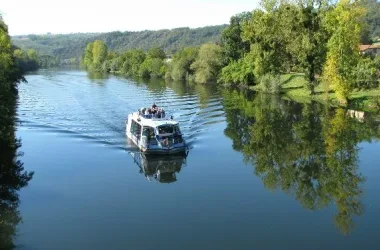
(295, 87)
(13, 177)
(305, 50)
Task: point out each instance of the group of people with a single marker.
(153, 111)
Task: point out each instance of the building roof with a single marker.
(363, 47)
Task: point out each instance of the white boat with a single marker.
(155, 133)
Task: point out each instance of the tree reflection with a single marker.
(306, 150)
(13, 177)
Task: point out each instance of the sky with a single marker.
(71, 16)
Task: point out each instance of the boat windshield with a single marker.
(168, 129)
(148, 131)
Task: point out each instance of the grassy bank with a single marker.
(295, 87)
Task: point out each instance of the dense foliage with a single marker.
(314, 38)
(180, 66)
(26, 60)
(13, 177)
(344, 26)
(372, 19)
(208, 63)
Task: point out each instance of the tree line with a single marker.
(316, 38)
(191, 63)
(71, 46)
(13, 177)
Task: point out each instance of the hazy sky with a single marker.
(70, 16)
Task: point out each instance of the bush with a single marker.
(238, 72)
(366, 74)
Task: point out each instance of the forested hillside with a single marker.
(72, 45)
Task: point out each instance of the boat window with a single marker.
(148, 131)
(168, 129)
(176, 129)
(135, 128)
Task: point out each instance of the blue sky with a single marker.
(71, 16)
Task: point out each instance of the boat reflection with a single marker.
(159, 168)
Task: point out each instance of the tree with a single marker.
(208, 63)
(239, 72)
(179, 67)
(32, 54)
(9, 73)
(99, 54)
(371, 20)
(152, 67)
(156, 53)
(132, 61)
(313, 38)
(233, 46)
(269, 32)
(95, 55)
(13, 177)
(88, 55)
(344, 25)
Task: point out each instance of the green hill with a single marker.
(67, 46)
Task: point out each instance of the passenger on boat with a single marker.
(154, 108)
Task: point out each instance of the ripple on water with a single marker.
(71, 104)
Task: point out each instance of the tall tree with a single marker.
(9, 73)
(372, 19)
(13, 177)
(208, 63)
(156, 53)
(99, 54)
(179, 67)
(132, 62)
(233, 46)
(88, 56)
(344, 23)
(269, 32)
(313, 38)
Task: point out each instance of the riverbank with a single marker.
(294, 87)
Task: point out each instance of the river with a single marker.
(263, 172)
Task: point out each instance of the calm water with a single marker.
(262, 172)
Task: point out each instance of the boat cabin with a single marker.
(154, 131)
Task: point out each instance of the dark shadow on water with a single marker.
(308, 151)
(13, 177)
(162, 169)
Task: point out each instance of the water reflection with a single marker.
(97, 77)
(159, 168)
(307, 150)
(12, 174)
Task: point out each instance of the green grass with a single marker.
(294, 86)
(288, 82)
(293, 81)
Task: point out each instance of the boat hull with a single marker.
(164, 151)
(159, 150)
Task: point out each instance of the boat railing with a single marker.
(156, 117)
